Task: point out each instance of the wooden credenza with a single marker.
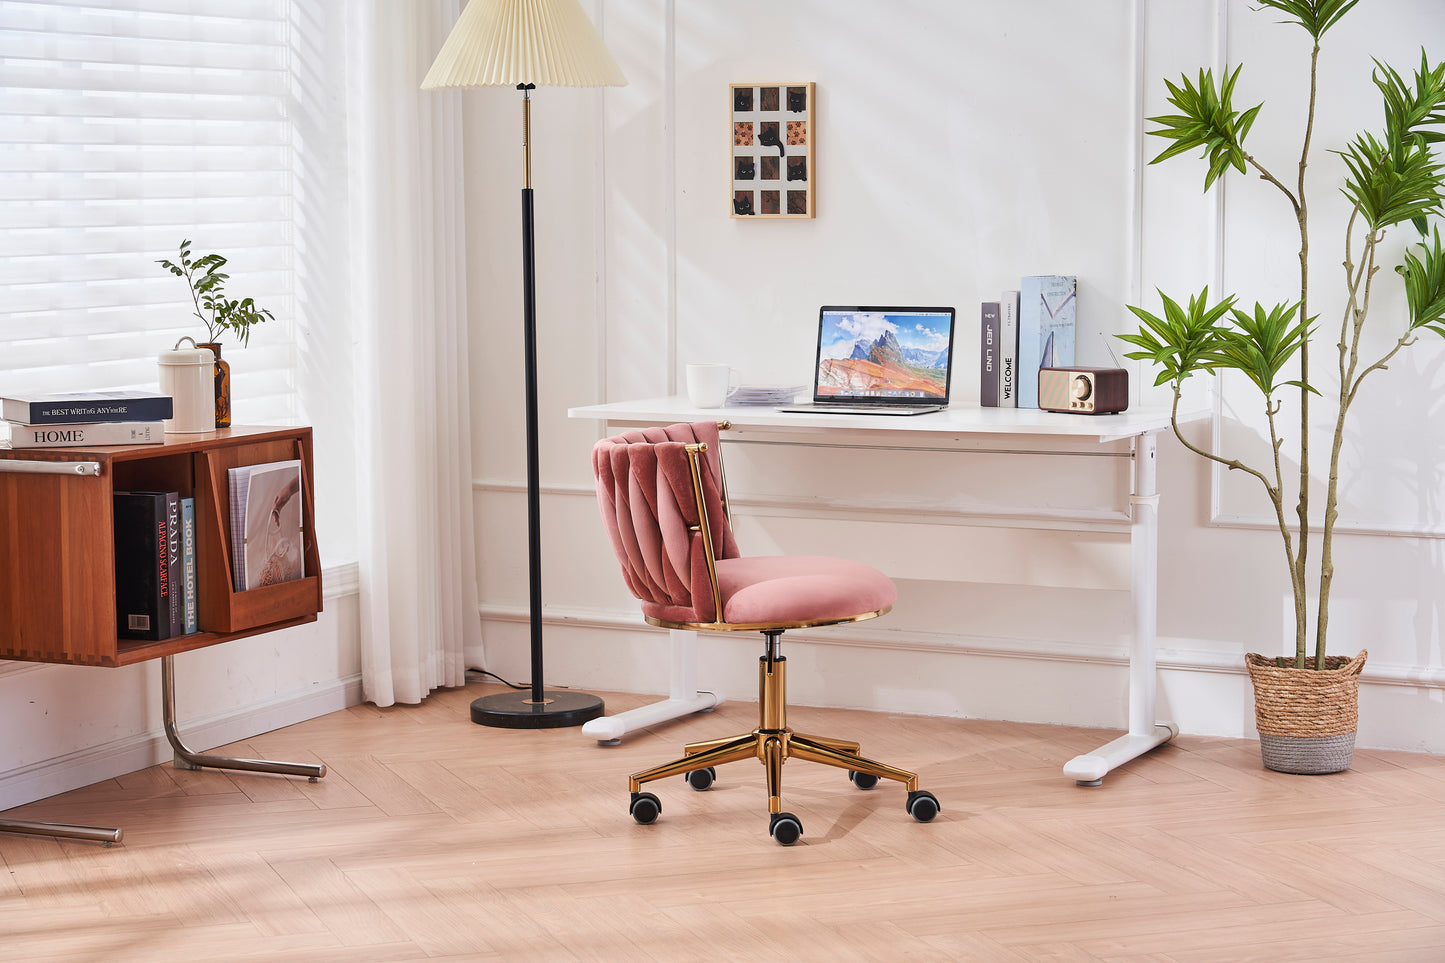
(57, 545)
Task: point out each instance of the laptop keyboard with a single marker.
(864, 409)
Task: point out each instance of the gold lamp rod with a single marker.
(526, 90)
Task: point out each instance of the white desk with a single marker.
(958, 427)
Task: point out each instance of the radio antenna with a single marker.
(1110, 348)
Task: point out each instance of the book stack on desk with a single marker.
(91, 418)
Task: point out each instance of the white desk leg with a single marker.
(683, 696)
(1144, 732)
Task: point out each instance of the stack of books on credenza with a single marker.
(86, 418)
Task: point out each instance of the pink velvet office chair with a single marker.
(664, 505)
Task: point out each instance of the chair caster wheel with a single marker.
(785, 828)
(863, 780)
(701, 779)
(923, 805)
(645, 807)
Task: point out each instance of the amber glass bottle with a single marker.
(223, 386)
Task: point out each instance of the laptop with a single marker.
(881, 361)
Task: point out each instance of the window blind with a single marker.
(126, 126)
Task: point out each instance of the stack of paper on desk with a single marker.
(766, 395)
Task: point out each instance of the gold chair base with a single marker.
(772, 743)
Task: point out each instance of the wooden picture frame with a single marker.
(772, 168)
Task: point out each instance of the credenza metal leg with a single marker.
(187, 759)
(99, 834)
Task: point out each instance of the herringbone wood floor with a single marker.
(435, 838)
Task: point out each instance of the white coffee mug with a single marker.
(708, 384)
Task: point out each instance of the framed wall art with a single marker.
(772, 165)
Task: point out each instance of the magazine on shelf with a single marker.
(266, 546)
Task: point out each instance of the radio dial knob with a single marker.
(1082, 387)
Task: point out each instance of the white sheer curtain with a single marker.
(418, 609)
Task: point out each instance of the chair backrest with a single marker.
(649, 507)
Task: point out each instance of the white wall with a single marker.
(959, 146)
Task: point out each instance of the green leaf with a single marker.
(1412, 110)
(1316, 16)
(1425, 286)
(208, 290)
(1208, 121)
(1261, 343)
(1393, 181)
(1184, 342)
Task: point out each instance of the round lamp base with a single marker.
(516, 710)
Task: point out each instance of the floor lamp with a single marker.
(523, 44)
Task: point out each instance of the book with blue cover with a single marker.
(1048, 309)
(83, 407)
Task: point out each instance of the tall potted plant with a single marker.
(1305, 707)
(218, 313)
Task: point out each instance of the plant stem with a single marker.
(1301, 212)
(1303, 509)
(1356, 310)
(1296, 575)
(196, 299)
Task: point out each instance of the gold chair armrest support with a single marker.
(695, 466)
(722, 482)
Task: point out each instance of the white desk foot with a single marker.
(1090, 768)
(613, 728)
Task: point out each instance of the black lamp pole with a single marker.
(536, 708)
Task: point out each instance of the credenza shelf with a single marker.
(57, 546)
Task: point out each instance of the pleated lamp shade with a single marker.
(512, 42)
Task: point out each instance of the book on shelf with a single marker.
(142, 578)
(86, 407)
(189, 621)
(265, 509)
(93, 433)
(1048, 307)
(174, 574)
(988, 355)
(1008, 338)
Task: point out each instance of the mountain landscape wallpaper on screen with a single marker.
(892, 354)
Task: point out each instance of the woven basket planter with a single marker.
(1306, 717)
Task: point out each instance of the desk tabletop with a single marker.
(955, 419)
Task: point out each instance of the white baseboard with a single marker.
(109, 760)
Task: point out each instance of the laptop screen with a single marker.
(883, 355)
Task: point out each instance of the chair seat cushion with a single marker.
(769, 589)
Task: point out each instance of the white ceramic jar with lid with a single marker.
(188, 375)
